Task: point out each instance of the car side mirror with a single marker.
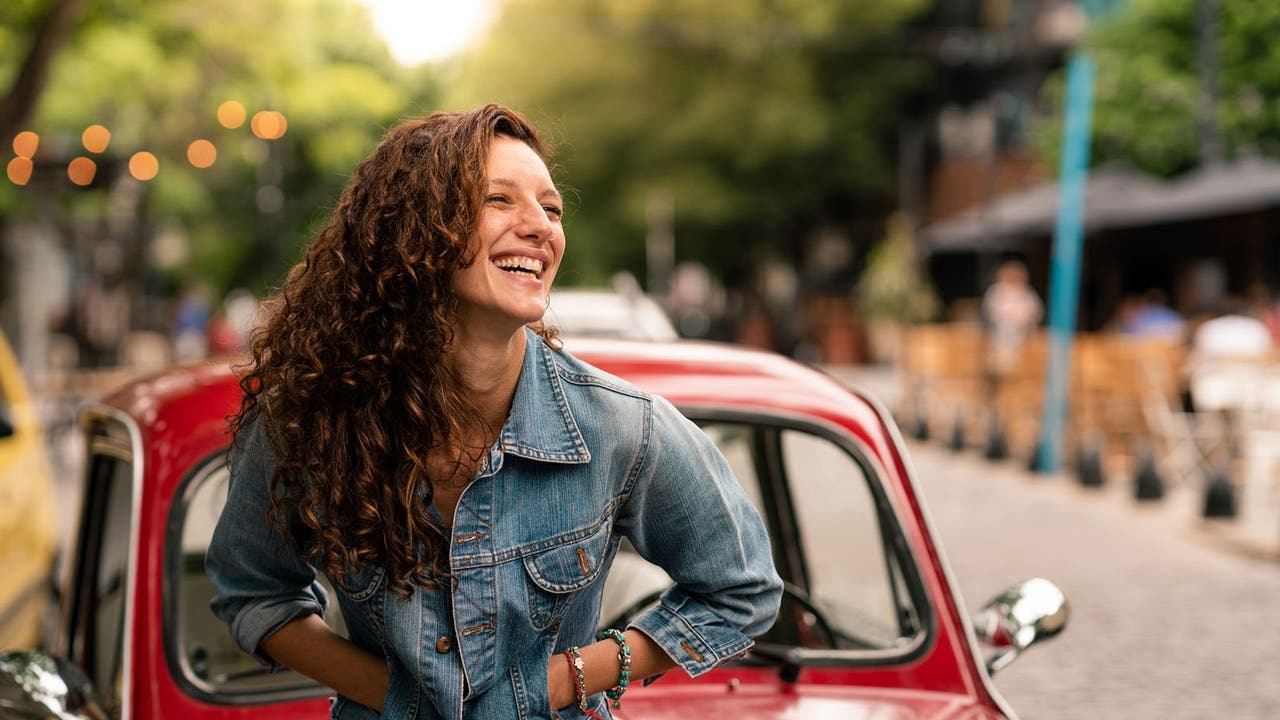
(1018, 618)
(35, 686)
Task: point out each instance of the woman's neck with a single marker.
(489, 370)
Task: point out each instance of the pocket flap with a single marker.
(571, 566)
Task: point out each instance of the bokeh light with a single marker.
(231, 114)
(143, 165)
(19, 170)
(268, 124)
(25, 144)
(95, 138)
(202, 153)
(81, 170)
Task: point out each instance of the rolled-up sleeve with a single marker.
(687, 513)
(260, 583)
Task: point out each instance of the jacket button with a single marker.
(444, 645)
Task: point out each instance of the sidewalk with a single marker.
(1180, 511)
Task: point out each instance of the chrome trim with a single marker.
(98, 411)
(948, 575)
(110, 448)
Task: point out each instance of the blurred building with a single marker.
(966, 141)
(970, 180)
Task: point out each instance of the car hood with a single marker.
(798, 703)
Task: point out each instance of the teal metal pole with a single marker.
(1068, 241)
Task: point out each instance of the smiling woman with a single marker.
(462, 481)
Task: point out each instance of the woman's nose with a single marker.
(534, 223)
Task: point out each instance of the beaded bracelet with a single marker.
(624, 658)
(574, 658)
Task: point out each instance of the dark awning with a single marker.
(1114, 198)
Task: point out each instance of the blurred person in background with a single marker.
(1231, 333)
(1152, 317)
(190, 321)
(1011, 310)
(405, 430)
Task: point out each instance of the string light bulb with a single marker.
(25, 144)
(19, 170)
(95, 138)
(81, 170)
(143, 165)
(202, 153)
(268, 124)
(231, 114)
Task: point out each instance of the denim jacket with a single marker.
(584, 460)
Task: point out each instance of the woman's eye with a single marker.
(498, 199)
(553, 211)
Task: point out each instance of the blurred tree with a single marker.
(154, 72)
(1147, 92)
(48, 32)
(764, 120)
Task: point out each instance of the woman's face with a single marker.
(518, 243)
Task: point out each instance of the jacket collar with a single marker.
(541, 425)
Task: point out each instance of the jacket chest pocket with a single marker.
(556, 575)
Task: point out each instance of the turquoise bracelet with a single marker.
(624, 674)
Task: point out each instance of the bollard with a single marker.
(1089, 465)
(1033, 462)
(921, 411)
(956, 443)
(921, 429)
(1147, 483)
(997, 445)
(1219, 496)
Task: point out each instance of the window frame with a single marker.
(890, 529)
(171, 602)
(109, 435)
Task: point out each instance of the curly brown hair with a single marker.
(347, 377)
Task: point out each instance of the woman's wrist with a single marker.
(559, 684)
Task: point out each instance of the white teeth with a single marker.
(519, 262)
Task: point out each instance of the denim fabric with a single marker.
(584, 460)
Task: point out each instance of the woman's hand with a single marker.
(560, 683)
(309, 646)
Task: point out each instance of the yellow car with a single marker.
(27, 528)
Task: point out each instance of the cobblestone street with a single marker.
(1166, 621)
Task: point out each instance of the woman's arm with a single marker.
(687, 514)
(600, 667)
(269, 596)
(308, 646)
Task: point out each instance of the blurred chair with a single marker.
(1186, 443)
(1245, 392)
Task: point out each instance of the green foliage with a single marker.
(155, 72)
(1145, 107)
(763, 120)
(894, 287)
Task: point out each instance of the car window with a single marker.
(97, 604)
(833, 543)
(850, 571)
(208, 658)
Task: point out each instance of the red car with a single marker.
(871, 625)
